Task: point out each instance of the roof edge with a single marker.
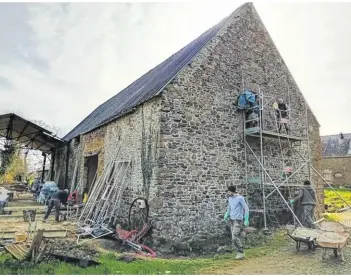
(337, 157)
(291, 75)
(335, 135)
(225, 21)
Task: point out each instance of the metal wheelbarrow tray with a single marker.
(305, 235)
(334, 241)
(328, 226)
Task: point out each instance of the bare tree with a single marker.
(56, 131)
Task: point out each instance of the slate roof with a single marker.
(334, 146)
(147, 86)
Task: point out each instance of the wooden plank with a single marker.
(41, 252)
(318, 221)
(19, 251)
(47, 234)
(343, 210)
(255, 132)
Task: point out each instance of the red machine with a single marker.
(139, 225)
(133, 237)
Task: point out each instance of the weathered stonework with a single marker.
(202, 134)
(134, 137)
(187, 144)
(340, 170)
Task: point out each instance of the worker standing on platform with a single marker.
(237, 213)
(307, 198)
(282, 114)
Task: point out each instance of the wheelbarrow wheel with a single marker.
(311, 246)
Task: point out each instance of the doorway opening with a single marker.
(91, 165)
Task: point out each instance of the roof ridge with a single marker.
(345, 134)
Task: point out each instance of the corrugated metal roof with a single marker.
(27, 133)
(334, 146)
(147, 86)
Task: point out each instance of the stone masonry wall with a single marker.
(75, 152)
(92, 143)
(135, 137)
(201, 144)
(339, 166)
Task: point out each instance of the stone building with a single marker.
(336, 162)
(179, 125)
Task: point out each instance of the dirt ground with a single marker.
(345, 219)
(281, 260)
(285, 260)
(16, 223)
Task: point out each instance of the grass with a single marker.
(109, 264)
(335, 203)
(333, 200)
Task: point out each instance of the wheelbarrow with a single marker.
(333, 241)
(306, 236)
(334, 238)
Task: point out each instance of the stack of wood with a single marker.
(21, 251)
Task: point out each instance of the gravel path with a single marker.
(346, 219)
(287, 261)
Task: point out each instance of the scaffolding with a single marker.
(277, 162)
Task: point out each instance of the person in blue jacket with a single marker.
(238, 215)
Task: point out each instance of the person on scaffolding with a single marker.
(60, 196)
(282, 114)
(237, 213)
(307, 203)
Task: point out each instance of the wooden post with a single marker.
(66, 171)
(52, 177)
(34, 248)
(43, 173)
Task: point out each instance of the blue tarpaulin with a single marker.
(47, 191)
(246, 100)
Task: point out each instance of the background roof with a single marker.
(334, 146)
(28, 133)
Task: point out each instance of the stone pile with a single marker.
(69, 248)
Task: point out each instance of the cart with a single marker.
(334, 238)
(333, 241)
(306, 236)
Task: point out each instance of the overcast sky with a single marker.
(58, 62)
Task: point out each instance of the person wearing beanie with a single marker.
(238, 216)
(307, 203)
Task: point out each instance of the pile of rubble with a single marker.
(68, 247)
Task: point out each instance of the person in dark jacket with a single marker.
(56, 199)
(307, 199)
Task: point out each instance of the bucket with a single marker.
(20, 237)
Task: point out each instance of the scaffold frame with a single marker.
(260, 133)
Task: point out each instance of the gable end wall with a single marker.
(201, 143)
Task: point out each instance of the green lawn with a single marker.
(334, 201)
(109, 264)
